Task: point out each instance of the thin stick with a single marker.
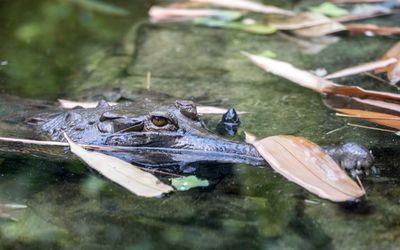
(361, 185)
(148, 80)
(54, 143)
(372, 128)
(159, 172)
(368, 117)
(376, 77)
(335, 130)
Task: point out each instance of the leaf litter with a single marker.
(386, 102)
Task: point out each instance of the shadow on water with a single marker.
(53, 49)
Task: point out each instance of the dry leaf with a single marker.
(288, 71)
(323, 86)
(67, 104)
(247, 6)
(393, 71)
(379, 30)
(378, 118)
(305, 163)
(128, 176)
(362, 68)
(343, 102)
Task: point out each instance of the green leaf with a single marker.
(268, 54)
(252, 28)
(188, 182)
(329, 9)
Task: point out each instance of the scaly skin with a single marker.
(156, 136)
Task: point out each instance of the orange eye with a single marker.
(159, 121)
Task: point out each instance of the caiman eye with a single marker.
(159, 121)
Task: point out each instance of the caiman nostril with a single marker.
(187, 108)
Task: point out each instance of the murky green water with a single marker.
(52, 49)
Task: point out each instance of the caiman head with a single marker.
(171, 135)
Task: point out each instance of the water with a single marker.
(54, 49)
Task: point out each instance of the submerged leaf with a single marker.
(251, 28)
(188, 182)
(306, 164)
(329, 9)
(125, 174)
(101, 7)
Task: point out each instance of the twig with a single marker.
(159, 172)
(148, 80)
(335, 130)
(371, 128)
(376, 77)
(361, 185)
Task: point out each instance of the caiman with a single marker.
(166, 136)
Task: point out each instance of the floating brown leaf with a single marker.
(393, 71)
(379, 30)
(336, 95)
(323, 86)
(343, 102)
(362, 68)
(305, 163)
(128, 176)
(378, 118)
(247, 6)
(288, 71)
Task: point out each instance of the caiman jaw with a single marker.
(165, 149)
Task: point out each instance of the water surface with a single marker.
(54, 49)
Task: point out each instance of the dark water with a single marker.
(53, 49)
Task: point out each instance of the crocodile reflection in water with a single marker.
(164, 136)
